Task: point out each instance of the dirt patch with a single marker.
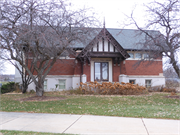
(175, 97)
(43, 98)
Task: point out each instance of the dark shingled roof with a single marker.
(129, 39)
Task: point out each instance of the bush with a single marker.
(172, 83)
(32, 91)
(166, 89)
(108, 88)
(161, 89)
(8, 87)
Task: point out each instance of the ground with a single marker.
(50, 98)
(176, 97)
(43, 98)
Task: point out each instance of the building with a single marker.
(109, 56)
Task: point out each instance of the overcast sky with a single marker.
(113, 11)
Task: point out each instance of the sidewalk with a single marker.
(87, 124)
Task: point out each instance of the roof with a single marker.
(104, 33)
(129, 39)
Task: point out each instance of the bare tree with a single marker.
(2, 63)
(37, 33)
(165, 41)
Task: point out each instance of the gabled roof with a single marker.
(129, 39)
(106, 35)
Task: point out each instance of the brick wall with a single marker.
(116, 73)
(61, 67)
(77, 69)
(87, 71)
(145, 68)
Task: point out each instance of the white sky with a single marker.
(112, 10)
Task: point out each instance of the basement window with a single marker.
(62, 84)
(132, 81)
(148, 83)
(45, 84)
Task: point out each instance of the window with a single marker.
(138, 55)
(101, 71)
(148, 83)
(62, 84)
(45, 84)
(131, 55)
(146, 56)
(132, 81)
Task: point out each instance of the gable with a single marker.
(104, 45)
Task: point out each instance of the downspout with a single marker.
(81, 71)
(120, 66)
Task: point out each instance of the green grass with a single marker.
(154, 105)
(13, 132)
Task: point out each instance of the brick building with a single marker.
(109, 56)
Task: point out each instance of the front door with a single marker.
(101, 71)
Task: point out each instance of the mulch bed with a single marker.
(43, 98)
(175, 97)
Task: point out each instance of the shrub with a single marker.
(8, 87)
(161, 89)
(32, 91)
(172, 83)
(166, 89)
(108, 88)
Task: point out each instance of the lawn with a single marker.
(13, 132)
(153, 105)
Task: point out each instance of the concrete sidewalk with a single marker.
(87, 124)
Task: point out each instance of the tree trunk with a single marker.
(24, 87)
(176, 68)
(39, 92)
(40, 87)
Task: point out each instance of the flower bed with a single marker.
(108, 88)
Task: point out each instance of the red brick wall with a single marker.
(116, 73)
(63, 67)
(87, 71)
(143, 69)
(77, 69)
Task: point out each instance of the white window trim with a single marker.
(109, 60)
(146, 84)
(133, 55)
(59, 84)
(46, 84)
(142, 56)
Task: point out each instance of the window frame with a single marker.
(101, 72)
(45, 84)
(136, 57)
(147, 85)
(130, 55)
(62, 85)
(146, 55)
(132, 80)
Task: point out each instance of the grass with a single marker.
(13, 132)
(154, 105)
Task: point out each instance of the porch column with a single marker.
(123, 78)
(84, 78)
